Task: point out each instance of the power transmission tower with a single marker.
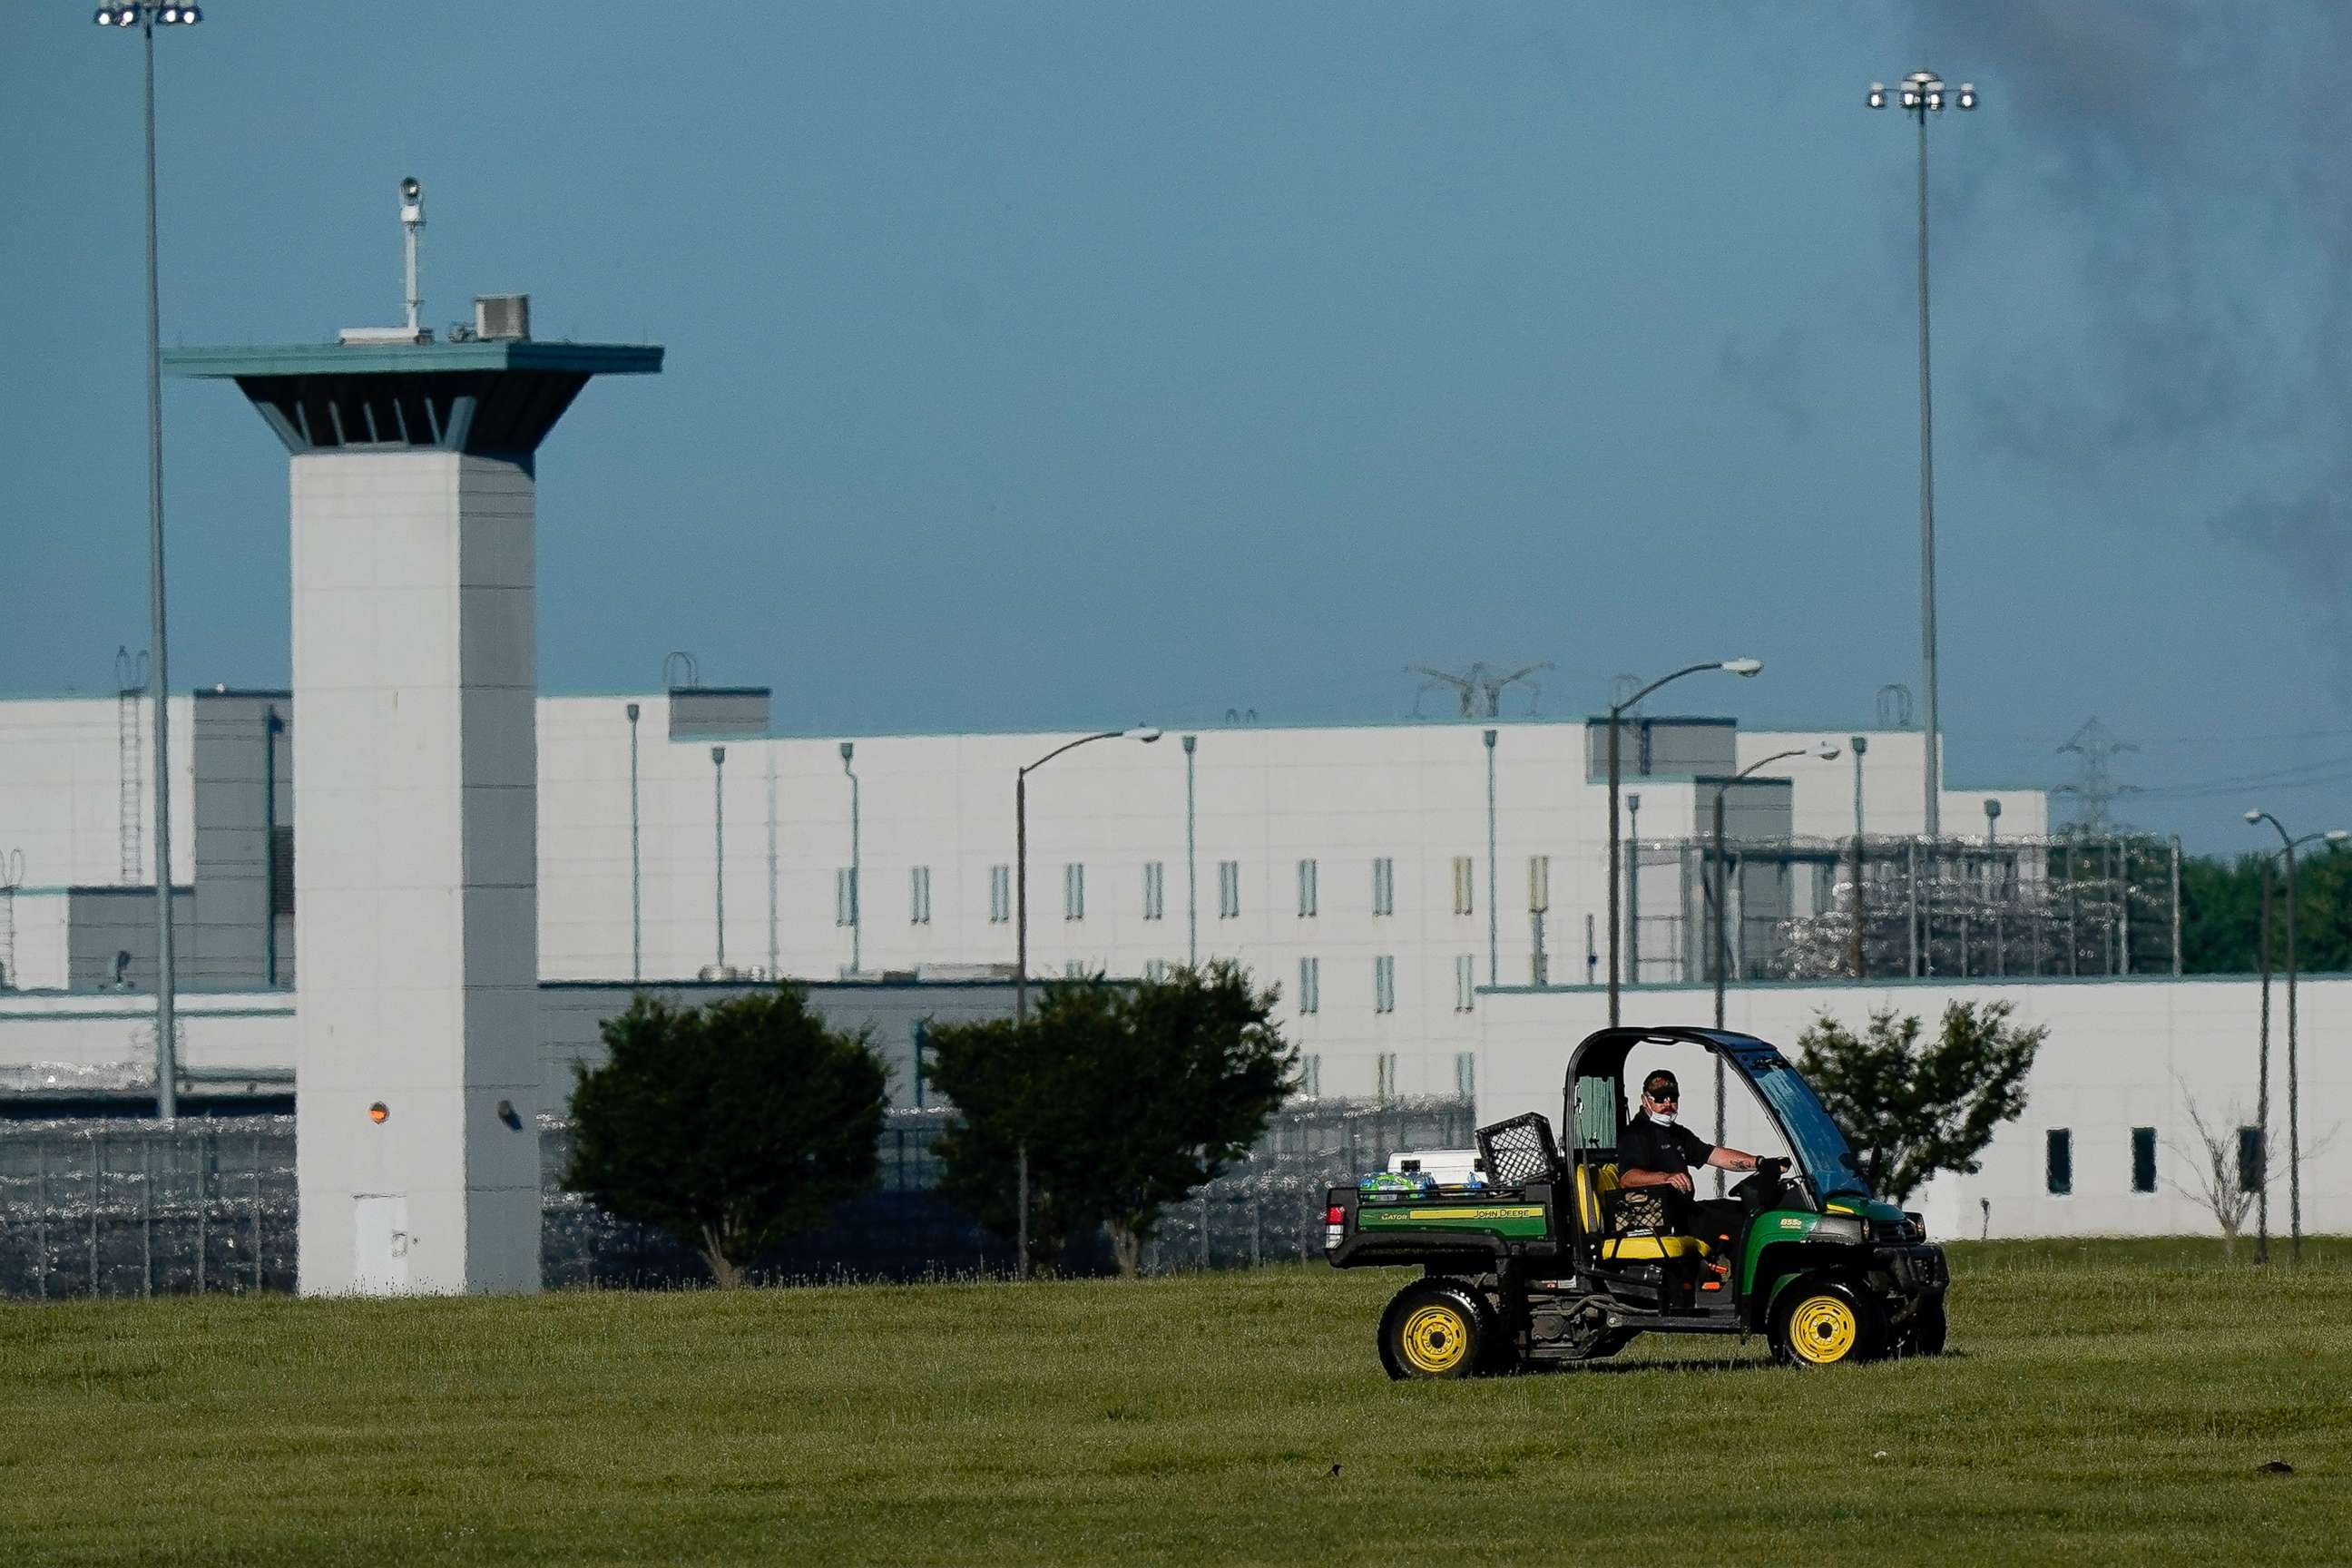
(2094, 788)
(1479, 688)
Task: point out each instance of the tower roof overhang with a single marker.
(496, 398)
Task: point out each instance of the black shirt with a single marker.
(1646, 1146)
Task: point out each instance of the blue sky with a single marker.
(1056, 364)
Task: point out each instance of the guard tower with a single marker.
(415, 834)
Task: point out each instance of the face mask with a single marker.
(1662, 1118)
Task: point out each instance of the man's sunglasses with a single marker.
(1664, 1095)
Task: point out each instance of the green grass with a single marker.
(2106, 1403)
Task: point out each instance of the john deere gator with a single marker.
(1528, 1269)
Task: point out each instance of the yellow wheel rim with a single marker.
(1822, 1330)
(1435, 1339)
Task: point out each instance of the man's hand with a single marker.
(1679, 1181)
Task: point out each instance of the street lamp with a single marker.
(1147, 734)
(718, 853)
(1616, 713)
(1144, 733)
(857, 868)
(1826, 752)
(1861, 744)
(145, 15)
(636, 865)
(1921, 94)
(2288, 843)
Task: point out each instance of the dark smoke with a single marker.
(2194, 157)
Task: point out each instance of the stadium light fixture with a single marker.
(1920, 94)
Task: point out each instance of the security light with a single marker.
(1967, 98)
(1744, 666)
(1877, 99)
(1826, 751)
(1146, 733)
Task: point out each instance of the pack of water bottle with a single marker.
(1421, 1174)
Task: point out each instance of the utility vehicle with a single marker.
(1527, 1271)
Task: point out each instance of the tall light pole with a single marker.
(1147, 734)
(636, 872)
(718, 850)
(1616, 714)
(1861, 744)
(1921, 94)
(145, 15)
(1191, 864)
(1827, 753)
(857, 868)
(2288, 843)
(1493, 949)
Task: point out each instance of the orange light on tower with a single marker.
(376, 1113)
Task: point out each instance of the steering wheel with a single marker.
(1762, 1190)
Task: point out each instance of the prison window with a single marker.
(1229, 889)
(1465, 1074)
(1000, 894)
(1310, 985)
(1155, 969)
(1155, 890)
(1308, 897)
(1073, 891)
(1538, 884)
(2251, 1159)
(2059, 1162)
(844, 896)
(919, 896)
(1075, 969)
(2143, 1159)
(1461, 878)
(282, 870)
(1310, 1076)
(1385, 1077)
(1384, 984)
(1465, 982)
(1385, 886)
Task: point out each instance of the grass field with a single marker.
(2105, 1402)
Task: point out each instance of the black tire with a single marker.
(1925, 1332)
(1825, 1321)
(1441, 1329)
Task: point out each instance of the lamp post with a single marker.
(1861, 744)
(857, 868)
(718, 851)
(145, 15)
(637, 876)
(1494, 932)
(1616, 714)
(1921, 94)
(2288, 843)
(1996, 888)
(1191, 864)
(1147, 734)
(1827, 753)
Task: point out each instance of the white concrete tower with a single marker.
(415, 870)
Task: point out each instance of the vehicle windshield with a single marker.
(1820, 1147)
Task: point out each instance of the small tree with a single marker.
(1911, 1110)
(732, 1127)
(1197, 1070)
(1014, 1089)
(2223, 1185)
(1124, 1100)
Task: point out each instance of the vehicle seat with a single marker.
(1595, 1184)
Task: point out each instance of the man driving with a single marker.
(1655, 1155)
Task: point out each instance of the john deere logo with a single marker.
(1793, 1225)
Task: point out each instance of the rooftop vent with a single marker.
(497, 316)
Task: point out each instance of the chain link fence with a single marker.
(129, 1208)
